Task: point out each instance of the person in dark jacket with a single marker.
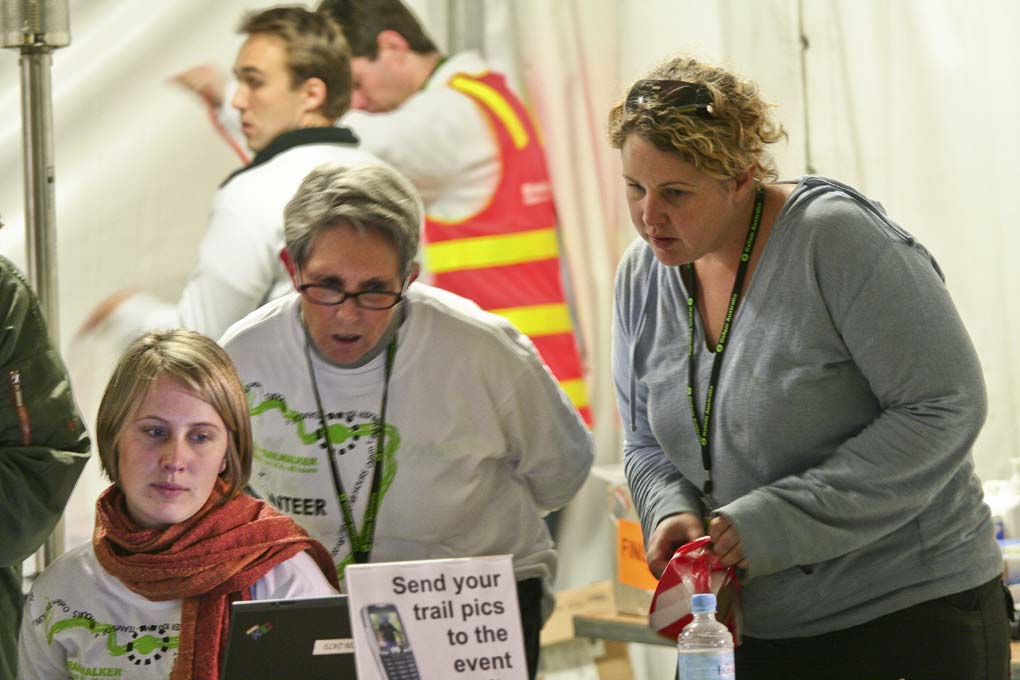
(43, 445)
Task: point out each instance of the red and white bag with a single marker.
(694, 568)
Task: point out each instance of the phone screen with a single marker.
(388, 629)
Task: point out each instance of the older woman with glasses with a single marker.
(797, 384)
(395, 421)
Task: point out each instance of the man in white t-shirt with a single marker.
(396, 421)
(294, 81)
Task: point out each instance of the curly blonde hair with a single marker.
(724, 143)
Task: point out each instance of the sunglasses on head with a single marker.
(682, 96)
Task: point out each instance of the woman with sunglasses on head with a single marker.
(796, 383)
(176, 540)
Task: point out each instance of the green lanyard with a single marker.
(702, 429)
(361, 543)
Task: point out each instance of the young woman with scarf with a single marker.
(176, 540)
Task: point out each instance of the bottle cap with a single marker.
(703, 602)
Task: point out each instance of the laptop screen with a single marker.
(269, 639)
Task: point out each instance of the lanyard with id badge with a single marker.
(694, 568)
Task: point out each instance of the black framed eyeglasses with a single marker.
(321, 294)
(682, 96)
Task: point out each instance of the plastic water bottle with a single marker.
(705, 646)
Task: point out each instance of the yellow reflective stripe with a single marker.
(497, 104)
(577, 391)
(536, 320)
(491, 251)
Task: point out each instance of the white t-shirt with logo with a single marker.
(480, 439)
(83, 623)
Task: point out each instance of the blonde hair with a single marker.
(723, 143)
(200, 365)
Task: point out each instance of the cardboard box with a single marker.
(585, 660)
(566, 657)
(633, 583)
(597, 597)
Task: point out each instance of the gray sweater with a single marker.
(849, 398)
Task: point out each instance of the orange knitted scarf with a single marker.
(207, 561)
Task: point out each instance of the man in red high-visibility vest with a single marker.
(467, 142)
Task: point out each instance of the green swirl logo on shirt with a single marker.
(347, 430)
(340, 434)
(146, 645)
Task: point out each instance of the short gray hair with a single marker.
(366, 197)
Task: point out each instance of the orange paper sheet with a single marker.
(630, 554)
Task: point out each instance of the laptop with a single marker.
(271, 639)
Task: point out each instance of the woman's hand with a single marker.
(726, 542)
(671, 533)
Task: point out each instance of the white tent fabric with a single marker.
(909, 100)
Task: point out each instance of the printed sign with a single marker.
(437, 620)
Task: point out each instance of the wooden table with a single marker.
(629, 628)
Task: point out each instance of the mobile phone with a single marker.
(387, 637)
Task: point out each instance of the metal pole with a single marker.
(36, 28)
(40, 211)
(465, 25)
(40, 214)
